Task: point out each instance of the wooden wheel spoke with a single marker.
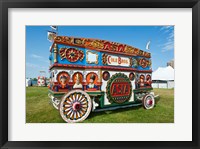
(71, 115)
(75, 115)
(67, 99)
(71, 99)
(74, 98)
(84, 102)
(67, 105)
(82, 99)
(84, 109)
(84, 106)
(78, 96)
(81, 113)
(68, 116)
(66, 108)
(67, 102)
(68, 112)
(78, 114)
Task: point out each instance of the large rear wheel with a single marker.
(75, 106)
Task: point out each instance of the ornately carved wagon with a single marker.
(95, 75)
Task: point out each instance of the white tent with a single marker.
(28, 82)
(163, 77)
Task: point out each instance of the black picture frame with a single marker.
(6, 4)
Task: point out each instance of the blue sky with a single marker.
(161, 46)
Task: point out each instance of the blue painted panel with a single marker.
(84, 63)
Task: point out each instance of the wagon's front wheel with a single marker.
(75, 106)
(148, 101)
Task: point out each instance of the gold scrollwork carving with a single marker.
(104, 58)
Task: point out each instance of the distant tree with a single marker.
(34, 79)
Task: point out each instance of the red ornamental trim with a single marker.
(99, 67)
(101, 45)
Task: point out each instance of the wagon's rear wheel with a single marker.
(148, 101)
(75, 106)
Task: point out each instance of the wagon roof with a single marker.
(100, 45)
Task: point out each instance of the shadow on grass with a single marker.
(93, 114)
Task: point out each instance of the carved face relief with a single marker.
(63, 78)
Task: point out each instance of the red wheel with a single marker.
(75, 106)
(148, 101)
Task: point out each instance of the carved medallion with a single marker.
(71, 54)
(106, 75)
(119, 88)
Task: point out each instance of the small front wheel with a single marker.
(75, 106)
(148, 101)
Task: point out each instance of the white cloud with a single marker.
(31, 65)
(36, 56)
(169, 44)
(166, 28)
(40, 58)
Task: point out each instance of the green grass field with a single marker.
(39, 110)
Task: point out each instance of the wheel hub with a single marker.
(76, 106)
(149, 102)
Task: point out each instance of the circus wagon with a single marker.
(41, 79)
(88, 75)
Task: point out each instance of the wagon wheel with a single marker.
(75, 106)
(148, 101)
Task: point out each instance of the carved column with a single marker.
(55, 53)
(99, 75)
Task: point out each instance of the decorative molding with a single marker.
(99, 67)
(101, 45)
(104, 59)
